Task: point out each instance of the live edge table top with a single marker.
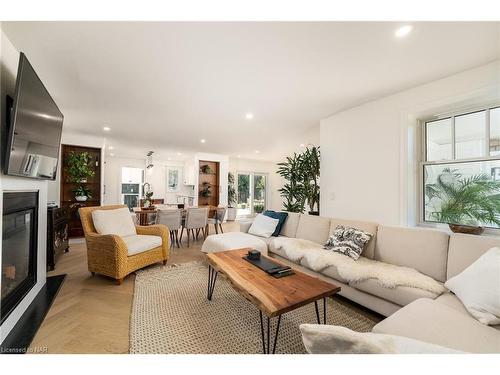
(273, 296)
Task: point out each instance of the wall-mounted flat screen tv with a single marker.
(35, 128)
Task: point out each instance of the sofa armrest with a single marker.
(245, 225)
(157, 230)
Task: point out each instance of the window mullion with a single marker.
(453, 144)
(487, 134)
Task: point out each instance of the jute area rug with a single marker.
(171, 314)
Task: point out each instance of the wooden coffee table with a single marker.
(270, 295)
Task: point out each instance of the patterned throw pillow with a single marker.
(348, 241)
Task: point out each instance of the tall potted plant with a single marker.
(231, 198)
(310, 165)
(79, 169)
(466, 204)
(301, 173)
(292, 190)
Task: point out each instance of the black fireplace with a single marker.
(19, 248)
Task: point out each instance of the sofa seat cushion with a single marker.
(233, 240)
(401, 295)
(311, 255)
(451, 300)
(331, 271)
(434, 322)
(140, 243)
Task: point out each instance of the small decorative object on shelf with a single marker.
(206, 169)
(82, 193)
(205, 191)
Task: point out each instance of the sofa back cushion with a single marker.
(425, 250)
(313, 228)
(366, 226)
(118, 221)
(289, 228)
(465, 249)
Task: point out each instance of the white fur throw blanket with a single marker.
(355, 271)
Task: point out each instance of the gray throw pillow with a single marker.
(348, 241)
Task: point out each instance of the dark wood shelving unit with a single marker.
(211, 178)
(67, 197)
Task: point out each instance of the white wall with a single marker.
(112, 179)
(369, 154)
(9, 58)
(275, 181)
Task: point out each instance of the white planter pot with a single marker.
(231, 213)
(81, 198)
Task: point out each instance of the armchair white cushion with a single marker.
(117, 221)
(140, 243)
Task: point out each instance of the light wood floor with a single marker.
(91, 314)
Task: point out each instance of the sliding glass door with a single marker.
(252, 193)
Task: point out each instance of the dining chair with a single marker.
(196, 220)
(172, 218)
(218, 219)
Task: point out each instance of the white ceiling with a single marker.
(167, 85)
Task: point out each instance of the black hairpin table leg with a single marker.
(212, 277)
(317, 311)
(266, 343)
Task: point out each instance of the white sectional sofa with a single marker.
(411, 312)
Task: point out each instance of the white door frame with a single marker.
(252, 175)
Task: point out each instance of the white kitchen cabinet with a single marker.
(189, 173)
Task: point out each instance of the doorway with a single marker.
(252, 193)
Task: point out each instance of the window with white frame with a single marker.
(461, 169)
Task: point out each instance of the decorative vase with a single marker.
(466, 229)
(81, 198)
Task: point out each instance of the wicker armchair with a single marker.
(108, 255)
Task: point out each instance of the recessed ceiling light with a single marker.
(111, 154)
(202, 140)
(403, 31)
(239, 156)
(249, 116)
(257, 151)
(302, 145)
(110, 147)
(106, 128)
(179, 153)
